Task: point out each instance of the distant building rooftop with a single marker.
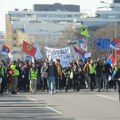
(56, 7)
(116, 1)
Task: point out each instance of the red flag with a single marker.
(116, 41)
(29, 49)
(118, 51)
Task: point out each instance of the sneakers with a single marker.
(51, 92)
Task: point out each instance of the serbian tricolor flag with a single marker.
(5, 50)
(115, 44)
(111, 60)
(29, 49)
(79, 52)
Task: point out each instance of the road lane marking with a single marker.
(31, 98)
(46, 106)
(16, 102)
(54, 110)
(107, 97)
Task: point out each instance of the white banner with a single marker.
(87, 55)
(63, 54)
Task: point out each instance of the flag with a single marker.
(115, 44)
(5, 50)
(38, 54)
(84, 31)
(77, 50)
(111, 60)
(118, 51)
(81, 56)
(83, 44)
(29, 49)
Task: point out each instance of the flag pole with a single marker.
(118, 82)
(33, 60)
(119, 96)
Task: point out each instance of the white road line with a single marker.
(54, 110)
(107, 97)
(16, 102)
(31, 98)
(46, 106)
(10, 107)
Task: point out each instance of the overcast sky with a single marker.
(8, 5)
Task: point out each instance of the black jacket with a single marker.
(55, 70)
(117, 74)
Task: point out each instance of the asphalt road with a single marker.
(84, 105)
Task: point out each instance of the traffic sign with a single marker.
(102, 43)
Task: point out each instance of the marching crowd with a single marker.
(51, 77)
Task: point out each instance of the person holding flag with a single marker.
(107, 71)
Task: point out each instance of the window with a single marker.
(69, 16)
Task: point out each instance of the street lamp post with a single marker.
(115, 26)
(115, 17)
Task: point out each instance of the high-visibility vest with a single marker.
(116, 68)
(91, 69)
(2, 72)
(15, 71)
(79, 69)
(68, 73)
(33, 74)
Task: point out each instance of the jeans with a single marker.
(118, 86)
(105, 81)
(15, 83)
(33, 86)
(98, 82)
(51, 83)
(92, 81)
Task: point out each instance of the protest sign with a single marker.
(63, 54)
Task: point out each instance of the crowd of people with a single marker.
(49, 76)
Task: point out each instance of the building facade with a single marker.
(2, 39)
(46, 23)
(104, 17)
(43, 25)
(56, 7)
